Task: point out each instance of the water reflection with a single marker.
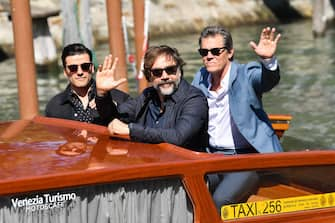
(306, 90)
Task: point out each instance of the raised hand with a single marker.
(105, 80)
(267, 44)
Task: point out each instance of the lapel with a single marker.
(203, 83)
(233, 74)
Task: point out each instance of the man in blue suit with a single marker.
(238, 123)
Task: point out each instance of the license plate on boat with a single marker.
(277, 206)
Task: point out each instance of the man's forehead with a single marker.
(212, 39)
(78, 57)
(165, 58)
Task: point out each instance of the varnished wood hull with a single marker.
(31, 163)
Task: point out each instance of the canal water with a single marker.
(306, 90)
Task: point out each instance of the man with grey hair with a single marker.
(238, 123)
(170, 111)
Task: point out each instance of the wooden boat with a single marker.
(55, 170)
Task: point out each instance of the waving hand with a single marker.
(105, 80)
(267, 44)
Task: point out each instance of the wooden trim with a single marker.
(280, 117)
(203, 207)
(280, 123)
(184, 168)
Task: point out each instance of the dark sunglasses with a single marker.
(171, 70)
(214, 51)
(84, 67)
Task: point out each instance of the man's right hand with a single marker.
(105, 80)
(118, 127)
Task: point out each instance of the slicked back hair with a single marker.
(75, 49)
(211, 31)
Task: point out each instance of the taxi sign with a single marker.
(277, 206)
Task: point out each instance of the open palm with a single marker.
(267, 44)
(105, 76)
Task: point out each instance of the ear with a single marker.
(65, 74)
(231, 54)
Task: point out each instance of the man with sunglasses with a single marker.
(171, 110)
(77, 101)
(238, 123)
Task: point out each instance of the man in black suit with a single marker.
(77, 101)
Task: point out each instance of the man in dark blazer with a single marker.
(77, 101)
(171, 111)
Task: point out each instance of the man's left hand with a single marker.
(105, 80)
(267, 44)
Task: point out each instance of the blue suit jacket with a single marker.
(246, 85)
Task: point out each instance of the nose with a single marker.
(210, 55)
(164, 76)
(80, 72)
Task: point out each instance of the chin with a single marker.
(212, 69)
(82, 84)
(166, 91)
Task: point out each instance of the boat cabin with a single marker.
(55, 170)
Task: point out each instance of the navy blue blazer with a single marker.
(186, 117)
(246, 85)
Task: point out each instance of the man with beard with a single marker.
(170, 111)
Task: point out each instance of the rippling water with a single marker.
(306, 90)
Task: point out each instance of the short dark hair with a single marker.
(154, 51)
(75, 49)
(218, 30)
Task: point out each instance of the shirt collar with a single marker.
(68, 92)
(224, 82)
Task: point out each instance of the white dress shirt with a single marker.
(219, 125)
(219, 128)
